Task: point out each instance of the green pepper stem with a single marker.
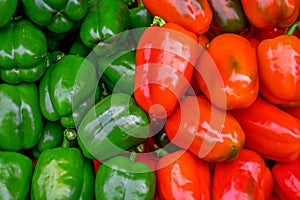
(69, 136)
(292, 29)
(132, 156)
(161, 152)
(158, 21)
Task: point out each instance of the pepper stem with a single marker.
(292, 29)
(69, 136)
(161, 152)
(132, 156)
(158, 21)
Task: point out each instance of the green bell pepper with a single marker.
(118, 74)
(7, 10)
(51, 136)
(105, 19)
(57, 16)
(67, 87)
(121, 178)
(115, 124)
(21, 121)
(15, 175)
(23, 52)
(62, 173)
(78, 48)
(140, 17)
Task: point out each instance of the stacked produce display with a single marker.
(146, 99)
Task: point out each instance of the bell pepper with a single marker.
(63, 94)
(51, 136)
(287, 179)
(246, 177)
(228, 17)
(295, 111)
(57, 16)
(15, 175)
(63, 173)
(140, 17)
(7, 10)
(193, 15)
(113, 126)
(165, 57)
(77, 48)
(21, 121)
(271, 13)
(123, 178)
(23, 50)
(270, 131)
(104, 20)
(182, 175)
(118, 74)
(278, 65)
(228, 75)
(211, 134)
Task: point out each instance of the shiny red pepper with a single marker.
(271, 13)
(246, 177)
(183, 176)
(279, 69)
(164, 67)
(287, 179)
(270, 131)
(193, 15)
(209, 133)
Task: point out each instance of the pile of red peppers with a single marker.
(225, 77)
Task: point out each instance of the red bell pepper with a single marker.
(193, 15)
(236, 61)
(181, 175)
(165, 59)
(287, 179)
(246, 177)
(270, 131)
(278, 66)
(211, 134)
(268, 14)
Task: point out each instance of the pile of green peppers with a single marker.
(65, 100)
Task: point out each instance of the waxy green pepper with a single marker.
(23, 52)
(7, 9)
(21, 121)
(115, 124)
(105, 19)
(57, 16)
(67, 89)
(63, 173)
(15, 175)
(118, 74)
(122, 178)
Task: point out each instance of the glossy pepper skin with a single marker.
(57, 16)
(23, 52)
(21, 121)
(118, 74)
(104, 20)
(163, 69)
(286, 179)
(62, 173)
(122, 178)
(66, 86)
(7, 10)
(246, 177)
(237, 68)
(140, 17)
(270, 131)
(271, 13)
(228, 16)
(211, 134)
(182, 175)
(113, 126)
(278, 65)
(15, 175)
(51, 136)
(193, 15)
